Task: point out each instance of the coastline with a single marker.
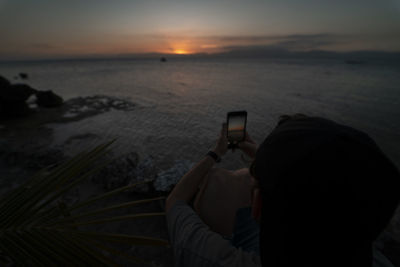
(26, 147)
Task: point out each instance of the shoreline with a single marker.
(27, 142)
(26, 147)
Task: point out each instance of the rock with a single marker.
(15, 93)
(145, 171)
(140, 188)
(4, 83)
(13, 99)
(14, 110)
(88, 106)
(118, 173)
(80, 139)
(166, 179)
(43, 158)
(32, 158)
(48, 99)
(23, 75)
(21, 92)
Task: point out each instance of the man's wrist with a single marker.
(218, 152)
(214, 155)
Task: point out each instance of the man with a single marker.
(321, 193)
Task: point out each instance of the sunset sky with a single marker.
(53, 28)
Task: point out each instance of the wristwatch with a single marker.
(214, 156)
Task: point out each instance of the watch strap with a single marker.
(214, 156)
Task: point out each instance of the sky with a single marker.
(54, 28)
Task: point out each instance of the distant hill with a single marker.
(266, 52)
(254, 52)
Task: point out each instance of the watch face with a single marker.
(214, 156)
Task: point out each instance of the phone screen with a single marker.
(236, 126)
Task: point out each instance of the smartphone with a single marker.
(236, 132)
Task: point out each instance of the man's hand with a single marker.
(248, 146)
(222, 143)
(188, 185)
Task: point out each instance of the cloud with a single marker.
(224, 43)
(207, 46)
(44, 46)
(291, 42)
(266, 38)
(307, 42)
(294, 42)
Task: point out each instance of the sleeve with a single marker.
(194, 244)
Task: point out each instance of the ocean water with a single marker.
(181, 104)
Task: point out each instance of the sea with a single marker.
(180, 104)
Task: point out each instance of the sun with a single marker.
(180, 52)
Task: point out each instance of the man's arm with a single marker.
(194, 244)
(188, 186)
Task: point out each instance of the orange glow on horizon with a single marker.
(180, 52)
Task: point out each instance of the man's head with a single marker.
(327, 191)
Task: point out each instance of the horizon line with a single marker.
(244, 50)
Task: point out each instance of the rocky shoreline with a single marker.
(24, 142)
(26, 147)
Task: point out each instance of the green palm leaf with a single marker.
(38, 230)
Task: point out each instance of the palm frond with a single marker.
(106, 195)
(36, 229)
(120, 253)
(104, 210)
(120, 238)
(113, 219)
